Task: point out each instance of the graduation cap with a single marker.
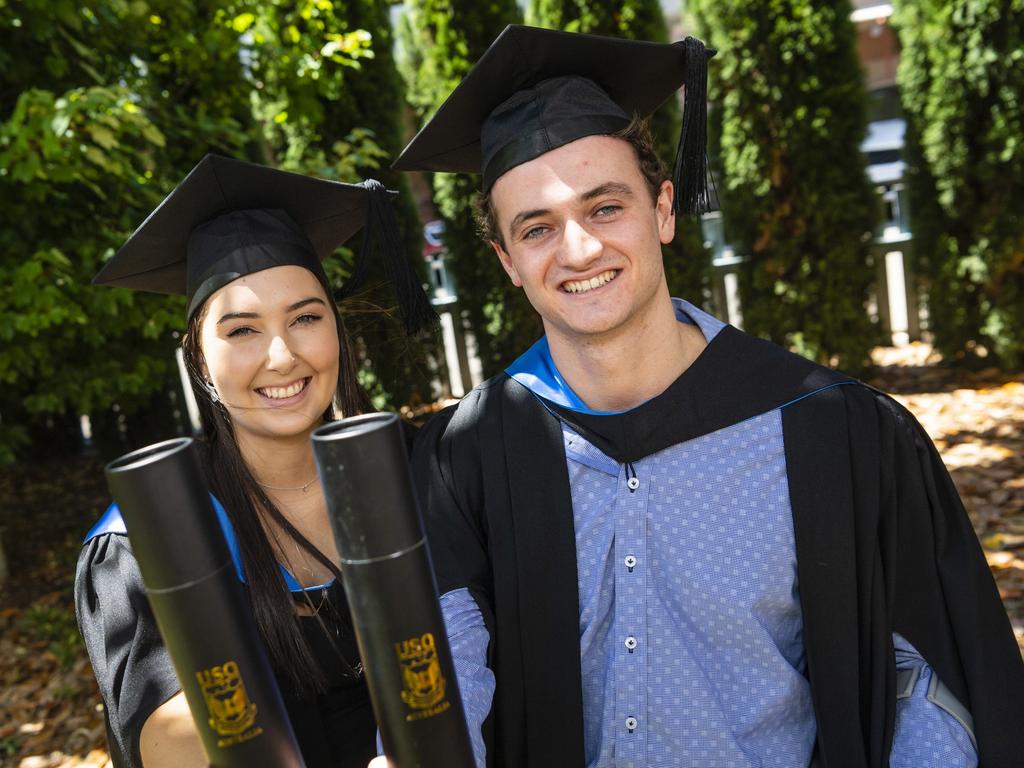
(536, 89)
(230, 218)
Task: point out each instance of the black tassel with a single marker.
(690, 176)
(381, 233)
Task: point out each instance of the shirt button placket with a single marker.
(631, 663)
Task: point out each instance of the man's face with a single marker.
(583, 237)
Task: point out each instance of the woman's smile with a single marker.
(285, 394)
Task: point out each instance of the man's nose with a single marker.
(579, 246)
(279, 356)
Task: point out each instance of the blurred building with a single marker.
(895, 297)
(462, 368)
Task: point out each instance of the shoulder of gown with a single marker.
(131, 663)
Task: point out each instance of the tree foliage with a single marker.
(961, 81)
(795, 198)
(686, 262)
(104, 106)
(441, 40)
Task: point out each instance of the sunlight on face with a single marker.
(270, 347)
(583, 237)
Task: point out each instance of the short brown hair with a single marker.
(637, 134)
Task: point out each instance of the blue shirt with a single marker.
(690, 627)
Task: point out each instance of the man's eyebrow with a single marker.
(526, 215)
(252, 315)
(608, 188)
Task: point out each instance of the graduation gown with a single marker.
(883, 545)
(334, 729)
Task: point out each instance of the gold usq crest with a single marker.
(425, 686)
(232, 714)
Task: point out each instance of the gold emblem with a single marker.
(232, 714)
(421, 673)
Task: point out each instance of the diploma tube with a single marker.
(389, 582)
(201, 607)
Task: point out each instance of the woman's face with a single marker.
(270, 348)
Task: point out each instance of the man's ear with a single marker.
(506, 263)
(666, 216)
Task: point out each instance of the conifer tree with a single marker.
(795, 198)
(961, 77)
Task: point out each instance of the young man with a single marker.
(659, 541)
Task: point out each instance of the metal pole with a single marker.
(391, 592)
(201, 608)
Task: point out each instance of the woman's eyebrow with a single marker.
(253, 315)
(304, 302)
(237, 316)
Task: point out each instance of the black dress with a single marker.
(135, 675)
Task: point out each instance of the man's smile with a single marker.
(582, 286)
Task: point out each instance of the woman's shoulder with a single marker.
(106, 566)
(131, 663)
(110, 521)
(110, 533)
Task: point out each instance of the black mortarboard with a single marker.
(230, 218)
(536, 89)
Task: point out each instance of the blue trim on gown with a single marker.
(113, 522)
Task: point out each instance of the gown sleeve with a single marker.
(456, 531)
(945, 602)
(445, 468)
(128, 655)
(942, 569)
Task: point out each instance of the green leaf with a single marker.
(153, 135)
(242, 22)
(97, 157)
(102, 136)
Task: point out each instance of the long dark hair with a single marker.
(246, 503)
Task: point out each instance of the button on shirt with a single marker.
(690, 629)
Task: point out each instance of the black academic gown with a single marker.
(883, 545)
(335, 729)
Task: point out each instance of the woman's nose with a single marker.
(279, 356)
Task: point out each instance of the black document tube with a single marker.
(391, 591)
(201, 607)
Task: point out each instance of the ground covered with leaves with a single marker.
(50, 715)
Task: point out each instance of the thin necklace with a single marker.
(304, 557)
(302, 488)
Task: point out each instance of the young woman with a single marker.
(269, 361)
